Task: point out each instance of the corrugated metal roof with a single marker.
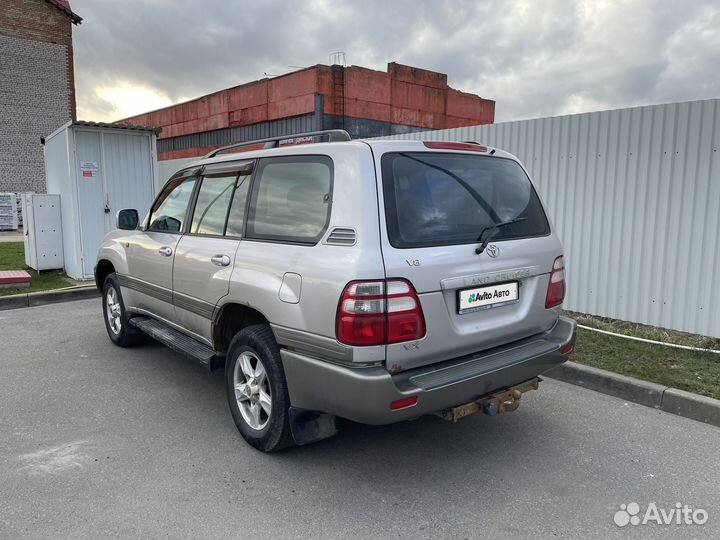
(273, 128)
(117, 126)
(64, 6)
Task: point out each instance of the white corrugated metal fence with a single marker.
(635, 196)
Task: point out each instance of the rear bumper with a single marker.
(364, 394)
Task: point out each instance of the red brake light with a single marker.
(379, 312)
(472, 147)
(556, 286)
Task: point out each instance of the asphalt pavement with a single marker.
(102, 442)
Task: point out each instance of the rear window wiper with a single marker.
(474, 194)
(494, 230)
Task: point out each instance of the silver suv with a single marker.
(370, 280)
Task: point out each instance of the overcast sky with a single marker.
(534, 58)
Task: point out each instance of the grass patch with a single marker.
(693, 371)
(12, 257)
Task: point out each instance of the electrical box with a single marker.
(42, 217)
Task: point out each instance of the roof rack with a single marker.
(333, 135)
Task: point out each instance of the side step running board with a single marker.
(178, 341)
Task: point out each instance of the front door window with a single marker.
(170, 208)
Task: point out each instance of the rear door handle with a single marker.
(220, 260)
(165, 250)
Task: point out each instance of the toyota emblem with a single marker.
(493, 250)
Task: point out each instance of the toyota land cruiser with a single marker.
(372, 280)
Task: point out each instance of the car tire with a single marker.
(257, 390)
(116, 316)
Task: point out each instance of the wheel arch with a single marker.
(102, 270)
(230, 319)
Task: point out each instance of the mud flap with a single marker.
(311, 426)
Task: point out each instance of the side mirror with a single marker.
(127, 219)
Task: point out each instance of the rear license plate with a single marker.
(488, 297)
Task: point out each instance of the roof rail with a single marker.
(333, 135)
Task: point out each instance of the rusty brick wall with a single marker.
(402, 96)
(410, 96)
(252, 103)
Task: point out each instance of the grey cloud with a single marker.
(533, 58)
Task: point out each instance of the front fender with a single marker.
(114, 251)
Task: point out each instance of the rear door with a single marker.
(436, 205)
(205, 256)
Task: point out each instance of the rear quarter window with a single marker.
(291, 199)
(435, 199)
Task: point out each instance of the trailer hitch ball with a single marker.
(497, 403)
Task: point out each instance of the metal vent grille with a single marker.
(341, 236)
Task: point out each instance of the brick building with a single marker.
(365, 102)
(37, 87)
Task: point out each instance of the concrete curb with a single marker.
(667, 399)
(701, 408)
(16, 301)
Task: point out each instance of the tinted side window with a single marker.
(170, 208)
(213, 201)
(291, 199)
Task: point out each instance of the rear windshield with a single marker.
(436, 199)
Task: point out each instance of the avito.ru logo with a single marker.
(629, 514)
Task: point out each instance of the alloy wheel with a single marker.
(252, 390)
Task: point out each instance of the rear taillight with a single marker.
(556, 287)
(379, 312)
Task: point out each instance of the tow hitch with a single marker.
(499, 402)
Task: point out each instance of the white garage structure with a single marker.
(97, 169)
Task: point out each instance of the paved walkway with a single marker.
(11, 236)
